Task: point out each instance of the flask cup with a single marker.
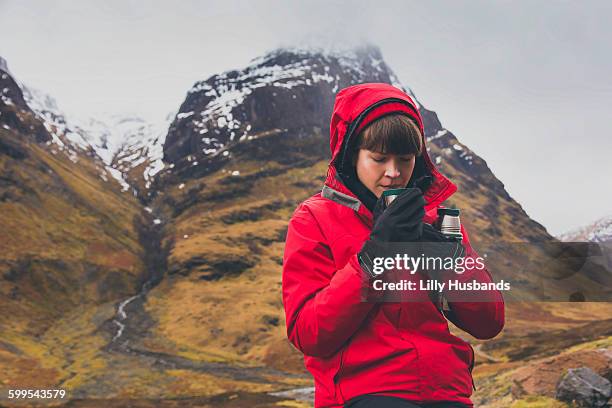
(390, 195)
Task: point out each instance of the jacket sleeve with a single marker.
(480, 313)
(323, 304)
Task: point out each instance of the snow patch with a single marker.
(598, 231)
(438, 135)
(117, 175)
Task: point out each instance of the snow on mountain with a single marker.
(285, 90)
(598, 231)
(292, 88)
(121, 142)
(55, 122)
(125, 142)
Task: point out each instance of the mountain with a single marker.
(288, 90)
(172, 296)
(287, 95)
(70, 243)
(598, 231)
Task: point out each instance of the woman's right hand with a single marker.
(402, 220)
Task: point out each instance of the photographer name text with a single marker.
(407, 285)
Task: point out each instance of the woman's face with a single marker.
(382, 171)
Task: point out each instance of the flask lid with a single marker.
(393, 191)
(453, 212)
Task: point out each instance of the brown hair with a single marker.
(392, 134)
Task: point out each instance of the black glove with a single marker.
(401, 221)
(448, 247)
(436, 244)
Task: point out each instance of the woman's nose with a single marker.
(392, 169)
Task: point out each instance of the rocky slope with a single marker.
(130, 149)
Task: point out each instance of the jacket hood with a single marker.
(354, 109)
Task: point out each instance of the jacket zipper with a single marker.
(337, 375)
(472, 366)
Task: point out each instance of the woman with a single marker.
(364, 353)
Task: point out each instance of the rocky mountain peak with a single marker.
(288, 88)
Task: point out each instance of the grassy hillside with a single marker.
(69, 245)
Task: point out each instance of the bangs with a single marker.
(393, 134)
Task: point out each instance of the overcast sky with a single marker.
(526, 85)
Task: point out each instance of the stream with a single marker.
(131, 321)
(150, 230)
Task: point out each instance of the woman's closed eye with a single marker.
(382, 159)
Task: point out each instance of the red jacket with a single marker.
(352, 347)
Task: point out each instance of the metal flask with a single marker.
(449, 223)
